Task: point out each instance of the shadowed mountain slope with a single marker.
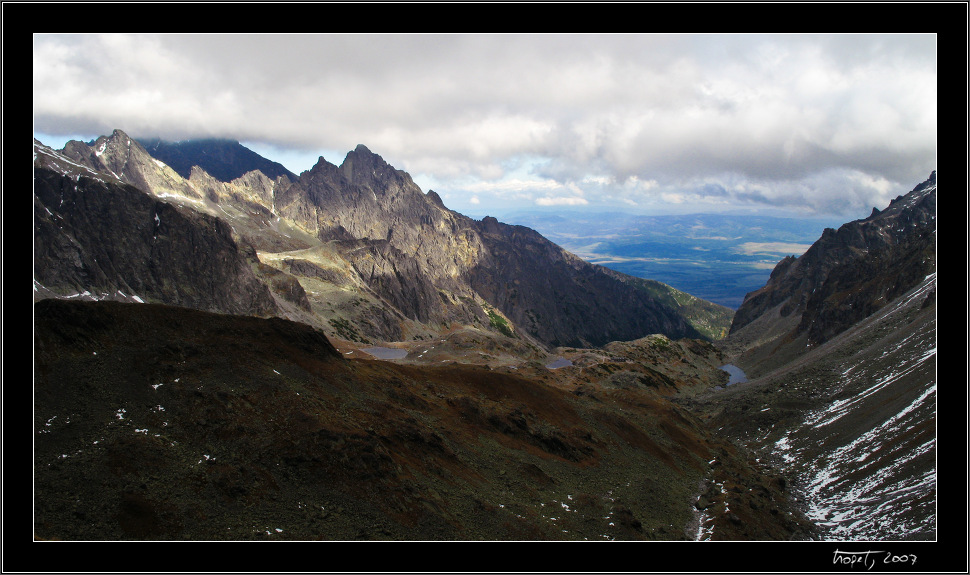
(191, 425)
(852, 423)
(840, 350)
(99, 238)
(844, 277)
(224, 160)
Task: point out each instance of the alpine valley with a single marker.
(225, 350)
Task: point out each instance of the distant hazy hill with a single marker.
(225, 160)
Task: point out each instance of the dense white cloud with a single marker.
(818, 123)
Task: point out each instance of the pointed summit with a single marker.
(435, 199)
(323, 164)
(364, 167)
(117, 138)
(108, 154)
(362, 154)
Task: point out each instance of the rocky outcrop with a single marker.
(305, 268)
(284, 284)
(126, 160)
(396, 277)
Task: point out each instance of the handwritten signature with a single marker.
(868, 559)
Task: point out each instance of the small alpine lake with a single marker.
(737, 375)
(559, 362)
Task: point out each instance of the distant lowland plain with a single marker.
(716, 257)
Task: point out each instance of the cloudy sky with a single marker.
(815, 124)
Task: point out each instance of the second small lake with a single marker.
(560, 362)
(737, 375)
(386, 352)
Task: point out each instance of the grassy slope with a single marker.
(710, 319)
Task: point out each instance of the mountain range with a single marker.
(205, 353)
(414, 267)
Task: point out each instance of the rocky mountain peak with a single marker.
(63, 162)
(435, 199)
(921, 199)
(363, 167)
(127, 160)
(115, 145)
(117, 136)
(323, 169)
(490, 225)
(117, 154)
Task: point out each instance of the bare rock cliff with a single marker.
(849, 273)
